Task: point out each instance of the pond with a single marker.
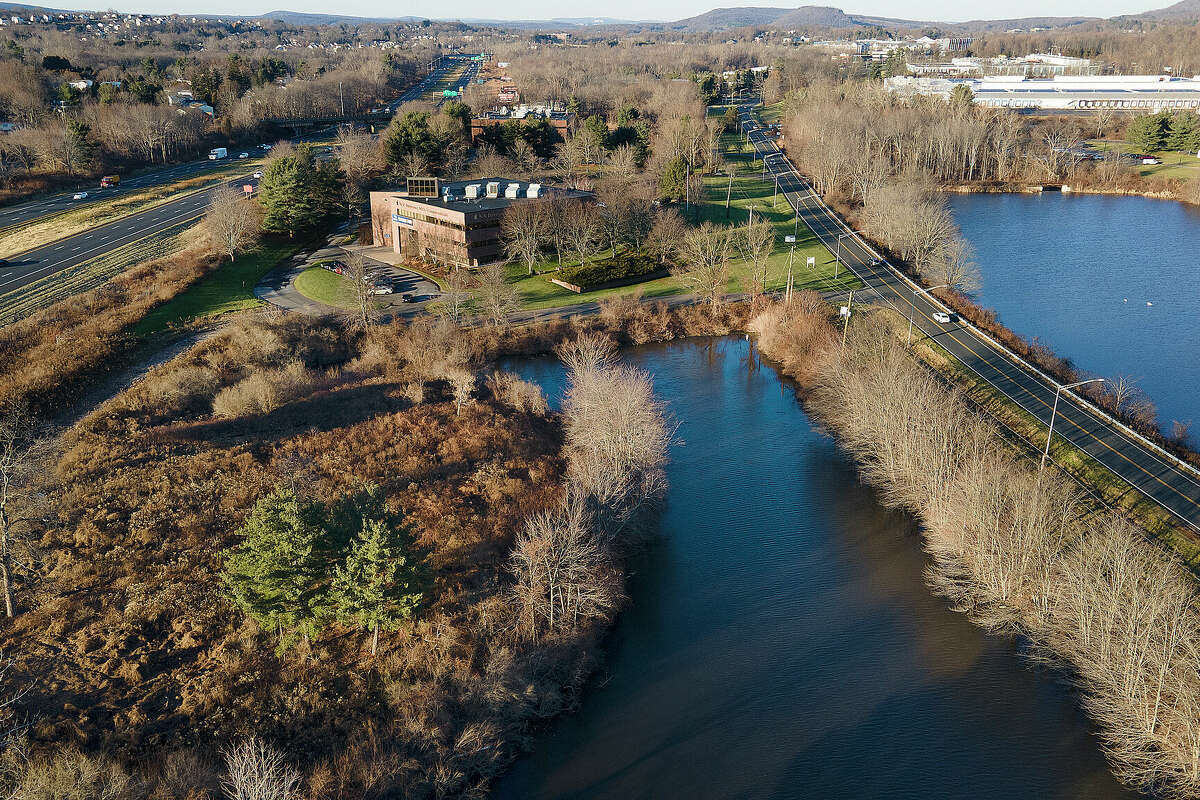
(780, 640)
(1109, 282)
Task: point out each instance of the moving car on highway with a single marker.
(944, 318)
(80, 196)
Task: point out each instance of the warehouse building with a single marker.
(454, 222)
(1138, 93)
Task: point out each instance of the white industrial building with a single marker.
(1146, 93)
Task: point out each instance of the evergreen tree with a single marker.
(274, 575)
(298, 194)
(962, 95)
(82, 147)
(596, 128)
(673, 184)
(378, 587)
(1183, 132)
(408, 134)
(1148, 133)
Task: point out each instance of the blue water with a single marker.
(780, 641)
(1077, 271)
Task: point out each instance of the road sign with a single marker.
(844, 312)
(789, 239)
(247, 188)
(812, 262)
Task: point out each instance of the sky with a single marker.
(932, 10)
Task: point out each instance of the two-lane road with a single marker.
(1159, 476)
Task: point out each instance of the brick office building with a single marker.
(454, 222)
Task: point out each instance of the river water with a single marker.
(780, 641)
(1109, 282)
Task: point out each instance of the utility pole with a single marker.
(341, 99)
(728, 191)
(687, 186)
(846, 327)
(791, 257)
(775, 197)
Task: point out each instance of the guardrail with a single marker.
(1083, 403)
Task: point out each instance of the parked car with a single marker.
(334, 266)
(382, 287)
(1151, 160)
(944, 318)
(258, 174)
(80, 196)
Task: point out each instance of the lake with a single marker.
(1109, 282)
(780, 641)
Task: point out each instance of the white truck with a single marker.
(217, 153)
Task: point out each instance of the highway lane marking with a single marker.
(823, 215)
(1066, 417)
(63, 264)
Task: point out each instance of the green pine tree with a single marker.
(298, 194)
(672, 185)
(1147, 133)
(1183, 132)
(275, 573)
(378, 587)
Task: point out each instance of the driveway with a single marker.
(278, 286)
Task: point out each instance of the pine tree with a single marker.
(672, 185)
(378, 587)
(298, 194)
(1183, 132)
(1147, 133)
(275, 574)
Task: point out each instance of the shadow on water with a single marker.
(781, 641)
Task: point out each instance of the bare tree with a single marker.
(582, 230)
(563, 577)
(455, 301)
(706, 251)
(496, 297)
(256, 771)
(523, 229)
(362, 288)
(757, 241)
(666, 234)
(24, 452)
(233, 220)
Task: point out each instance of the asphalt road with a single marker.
(1154, 473)
(72, 251)
(32, 265)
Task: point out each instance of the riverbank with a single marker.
(1012, 546)
(1155, 192)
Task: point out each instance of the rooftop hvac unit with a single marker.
(534, 190)
(512, 191)
(493, 189)
(472, 191)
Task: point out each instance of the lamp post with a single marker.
(1050, 433)
(913, 307)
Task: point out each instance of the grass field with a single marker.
(747, 191)
(50, 289)
(57, 226)
(1175, 164)
(229, 287)
(326, 287)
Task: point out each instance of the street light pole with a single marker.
(912, 310)
(837, 257)
(1050, 433)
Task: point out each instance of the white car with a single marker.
(944, 318)
(258, 174)
(80, 196)
(243, 155)
(382, 288)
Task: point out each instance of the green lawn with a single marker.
(748, 191)
(1175, 164)
(317, 283)
(229, 287)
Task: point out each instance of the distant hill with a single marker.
(1183, 11)
(720, 19)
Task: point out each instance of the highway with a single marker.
(32, 265)
(1155, 473)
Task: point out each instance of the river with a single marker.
(780, 641)
(1109, 282)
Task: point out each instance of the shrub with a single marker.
(619, 267)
